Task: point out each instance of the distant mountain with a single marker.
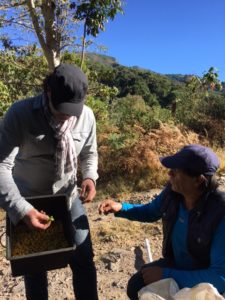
(111, 61)
(100, 58)
(178, 77)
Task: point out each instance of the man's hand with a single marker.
(88, 190)
(109, 206)
(151, 274)
(36, 220)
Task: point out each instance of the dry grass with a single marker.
(2, 218)
(2, 214)
(221, 154)
(138, 167)
(124, 234)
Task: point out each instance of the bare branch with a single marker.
(17, 23)
(12, 5)
(34, 17)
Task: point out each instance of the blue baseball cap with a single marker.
(196, 158)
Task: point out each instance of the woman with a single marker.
(192, 210)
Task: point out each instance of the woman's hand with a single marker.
(109, 206)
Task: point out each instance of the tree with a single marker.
(200, 105)
(94, 14)
(210, 80)
(54, 23)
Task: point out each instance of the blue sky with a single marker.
(169, 36)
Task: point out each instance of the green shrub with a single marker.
(100, 109)
(132, 110)
(5, 98)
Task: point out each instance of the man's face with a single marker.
(57, 115)
(181, 182)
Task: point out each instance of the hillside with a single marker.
(100, 58)
(104, 60)
(197, 103)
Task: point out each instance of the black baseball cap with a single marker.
(68, 86)
(196, 158)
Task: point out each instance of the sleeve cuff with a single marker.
(15, 214)
(90, 179)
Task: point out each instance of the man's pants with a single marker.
(82, 264)
(136, 282)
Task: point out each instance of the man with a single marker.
(192, 210)
(42, 138)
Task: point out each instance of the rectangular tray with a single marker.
(53, 205)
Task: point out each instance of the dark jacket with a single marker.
(203, 221)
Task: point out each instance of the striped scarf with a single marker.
(65, 155)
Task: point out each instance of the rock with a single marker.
(114, 284)
(113, 266)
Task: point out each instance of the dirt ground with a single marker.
(119, 247)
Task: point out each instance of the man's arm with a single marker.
(10, 198)
(89, 163)
(10, 139)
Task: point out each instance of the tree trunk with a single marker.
(83, 46)
(52, 58)
(50, 42)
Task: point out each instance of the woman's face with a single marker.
(183, 183)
